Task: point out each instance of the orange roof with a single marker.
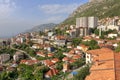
(71, 52)
(87, 37)
(104, 53)
(41, 54)
(48, 62)
(65, 59)
(29, 62)
(117, 66)
(72, 60)
(52, 72)
(50, 54)
(61, 37)
(84, 46)
(76, 56)
(55, 60)
(108, 65)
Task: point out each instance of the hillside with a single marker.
(42, 27)
(101, 9)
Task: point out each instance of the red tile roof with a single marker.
(108, 67)
(51, 73)
(65, 59)
(76, 57)
(48, 63)
(55, 60)
(29, 62)
(50, 54)
(61, 37)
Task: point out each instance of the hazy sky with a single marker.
(19, 15)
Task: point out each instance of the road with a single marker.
(32, 58)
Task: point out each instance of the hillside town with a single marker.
(89, 50)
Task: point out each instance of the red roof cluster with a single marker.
(51, 73)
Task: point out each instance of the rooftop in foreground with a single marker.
(107, 68)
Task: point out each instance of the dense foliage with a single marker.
(92, 44)
(107, 8)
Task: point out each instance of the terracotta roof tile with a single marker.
(52, 72)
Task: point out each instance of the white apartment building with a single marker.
(90, 22)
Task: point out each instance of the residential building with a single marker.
(112, 35)
(51, 73)
(18, 56)
(29, 62)
(90, 22)
(65, 67)
(83, 47)
(82, 22)
(4, 57)
(105, 64)
(41, 54)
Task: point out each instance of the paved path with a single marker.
(32, 58)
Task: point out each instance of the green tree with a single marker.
(117, 49)
(76, 41)
(96, 31)
(82, 73)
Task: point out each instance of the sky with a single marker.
(20, 15)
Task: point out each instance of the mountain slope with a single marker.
(101, 9)
(42, 27)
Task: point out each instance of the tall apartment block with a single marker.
(85, 23)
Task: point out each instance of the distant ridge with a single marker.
(42, 27)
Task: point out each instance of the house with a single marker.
(113, 27)
(77, 50)
(18, 56)
(50, 49)
(72, 60)
(29, 62)
(4, 57)
(55, 60)
(48, 63)
(69, 47)
(83, 47)
(99, 41)
(60, 40)
(91, 55)
(46, 46)
(50, 54)
(51, 73)
(76, 57)
(65, 67)
(87, 38)
(65, 53)
(105, 65)
(10, 69)
(50, 34)
(72, 33)
(37, 40)
(20, 40)
(36, 46)
(112, 35)
(66, 59)
(110, 46)
(41, 54)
